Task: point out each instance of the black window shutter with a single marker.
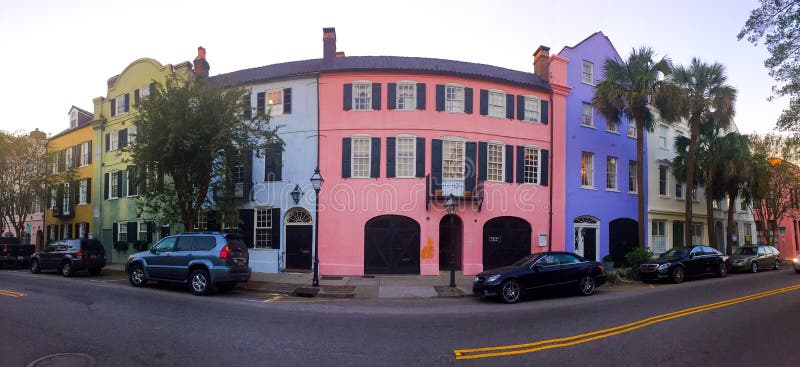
(420, 157)
(88, 191)
(123, 138)
(483, 153)
(62, 161)
(248, 106)
(484, 108)
(468, 100)
(510, 106)
(544, 166)
(346, 142)
(375, 158)
(439, 97)
(520, 164)
(246, 226)
(69, 230)
(152, 88)
(261, 103)
(376, 96)
(113, 107)
(133, 231)
(276, 229)
(105, 186)
(119, 184)
(108, 142)
(212, 221)
(470, 156)
(247, 162)
(544, 111)
(436, 164)
(287, 101)
(150, 228)
(420, 96)
(520, 108)
(90, 152)
(123, 183)
(115, 231)
(347, 97)
(391, 96)
(76, 156)
(509, 163)
(127, 102)
(390, 157)
(136, 98)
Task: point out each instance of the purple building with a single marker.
(601, 212)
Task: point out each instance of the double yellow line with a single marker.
(508, 350)
(4, 292)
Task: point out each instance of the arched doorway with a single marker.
(505, 240)
(586, 236)
(623, 237)
(299, 235)
(719, 233)
(391, 245)
(451, 232)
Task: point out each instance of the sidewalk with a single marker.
(379, 286)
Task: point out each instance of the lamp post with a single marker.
(316, 182)
(450, 206)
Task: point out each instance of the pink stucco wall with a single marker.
(347, 204)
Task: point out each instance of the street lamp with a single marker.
(316, 182)
(450, 206)
(296, 194)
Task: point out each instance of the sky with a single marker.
(56, 54)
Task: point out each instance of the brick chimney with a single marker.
(541, 63)
(328, 44)
(201, 66)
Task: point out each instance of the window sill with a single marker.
(497, 117)
(663, 196)
(612, 132)
(405, 109)
(588, 188)
(589, 126)
(633, 192)
(405, 177)
(589, 84)
(680, 199)
(114, 198)
(632, 137)
(533, 122)
(355, 110)
(457, 112)
(612, 190)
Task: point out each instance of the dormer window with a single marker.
(73, 119)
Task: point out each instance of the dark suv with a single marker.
(68, 256)
(202, 260)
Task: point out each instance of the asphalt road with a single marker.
(118, 325)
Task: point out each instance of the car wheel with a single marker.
(722, 271)
(678, 274)
(199, 282)
(587, 286)
(95, 271)
(511, 291)
(66, 269)
(777, 265)
(226, 287)
(35, 267)
(754, 267)
(136, 276)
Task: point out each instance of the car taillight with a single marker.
(79, 255)
(224, 253)
(602, 268)
(5, 249)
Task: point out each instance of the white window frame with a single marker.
(113, 141)
(453, 166)
(587, 170)
(532, 172)
(201, 222)
(120, 104)
(122, 228)
(633, 182)
(263, 228)
(680, 194)
(55, 162)
(666, 180)
(274, 102)
(409, 161)
(73, 119)
(454, 98)
(68, 154)
(612, 127)
(132, 131)
(697, 233)
(587, 120)
(497, 103)
(65, 205)
(495, 171)
(662, 137)
(113, 183)
(407, 101)
(53, 198)
(631, 130)
(85, 154)
(587, 77)
(658, 234)
(362, 103)
(83, 192)
(533, 106)
(65, 230)
(677, 134)
(128, 186)
(142, 233)
(82, 229)
(357, 170)
(144, 92)
(612, 183)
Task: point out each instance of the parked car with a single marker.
(680, 263)
(755, 258)
(202, 260)
(796, 263)
(12, 252)
(539, 272)
(69, 256)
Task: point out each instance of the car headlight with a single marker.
(492, 278)
(795, 260)
(130, 257)
(476, 279)
(663, 266)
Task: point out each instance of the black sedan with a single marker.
(679, 263)
(546, 270)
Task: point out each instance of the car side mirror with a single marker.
(691, 256)
(153, 250)
(536, 267)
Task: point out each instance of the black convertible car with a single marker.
(681, 262)
(540, 271)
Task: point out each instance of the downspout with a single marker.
(550, 168)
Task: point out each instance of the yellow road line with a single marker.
(273, 299)
(314, 300)
(586, 337)
(12, 293)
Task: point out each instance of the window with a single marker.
(611, 173)
(497, 104)
(662, 136)
(748, 233)
(68, 157)
(532, 169)
(494, 162)
(166, 245)
(360, 157)
(201, 222)
(130, 182)
(55, 163)
(611, 126)
(631, 130)
(122, 232)
(679, 190)
(65, 229)
(362, 96)
(82, 229)
(405, 166)
(238, 181)
(659, 236)
(142, 231)
(113, 185)
(587, 117)
(406, 96)
(697, 233)
(121, 106)
(678, 133)
(53, 196)
(83, 193)
(132, 134)
(587, 169)
(144, 91)
(533, 107)
(453, 167)
(632, 171)
(694, 195)
(275, 102)
(52, 231)
(454, 98)
(113, 140)
(663, 172)
(85, 154)
(263, 228)
(73, 119)
(66, 204)
(742, 205)
(587, 76)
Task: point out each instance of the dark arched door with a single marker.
(391, 245)
(623, 237)
(451, 231)
(505, 240)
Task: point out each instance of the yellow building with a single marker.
(70, 203)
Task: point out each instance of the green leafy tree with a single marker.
(188, 133)
(736, 173)
(635, 89)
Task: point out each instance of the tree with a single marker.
(775, 184)
(632, 89)
(778, 23)
(706, 97)
(188, 132)
(736, 173)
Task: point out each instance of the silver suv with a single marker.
(203, 260)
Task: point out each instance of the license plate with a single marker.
(19, 258)
(93, 257)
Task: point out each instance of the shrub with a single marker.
(141, 245)
(608, 258)
(638, 257)
(121, 246)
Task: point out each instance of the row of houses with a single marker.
(529, 162)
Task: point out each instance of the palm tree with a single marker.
(633, 89)
(736, 173)
(705, 96)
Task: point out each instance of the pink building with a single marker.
(400, 135)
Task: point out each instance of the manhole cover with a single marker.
(64, 360)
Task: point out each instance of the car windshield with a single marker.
(675, 251)
(745, 251)
(526, 260)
